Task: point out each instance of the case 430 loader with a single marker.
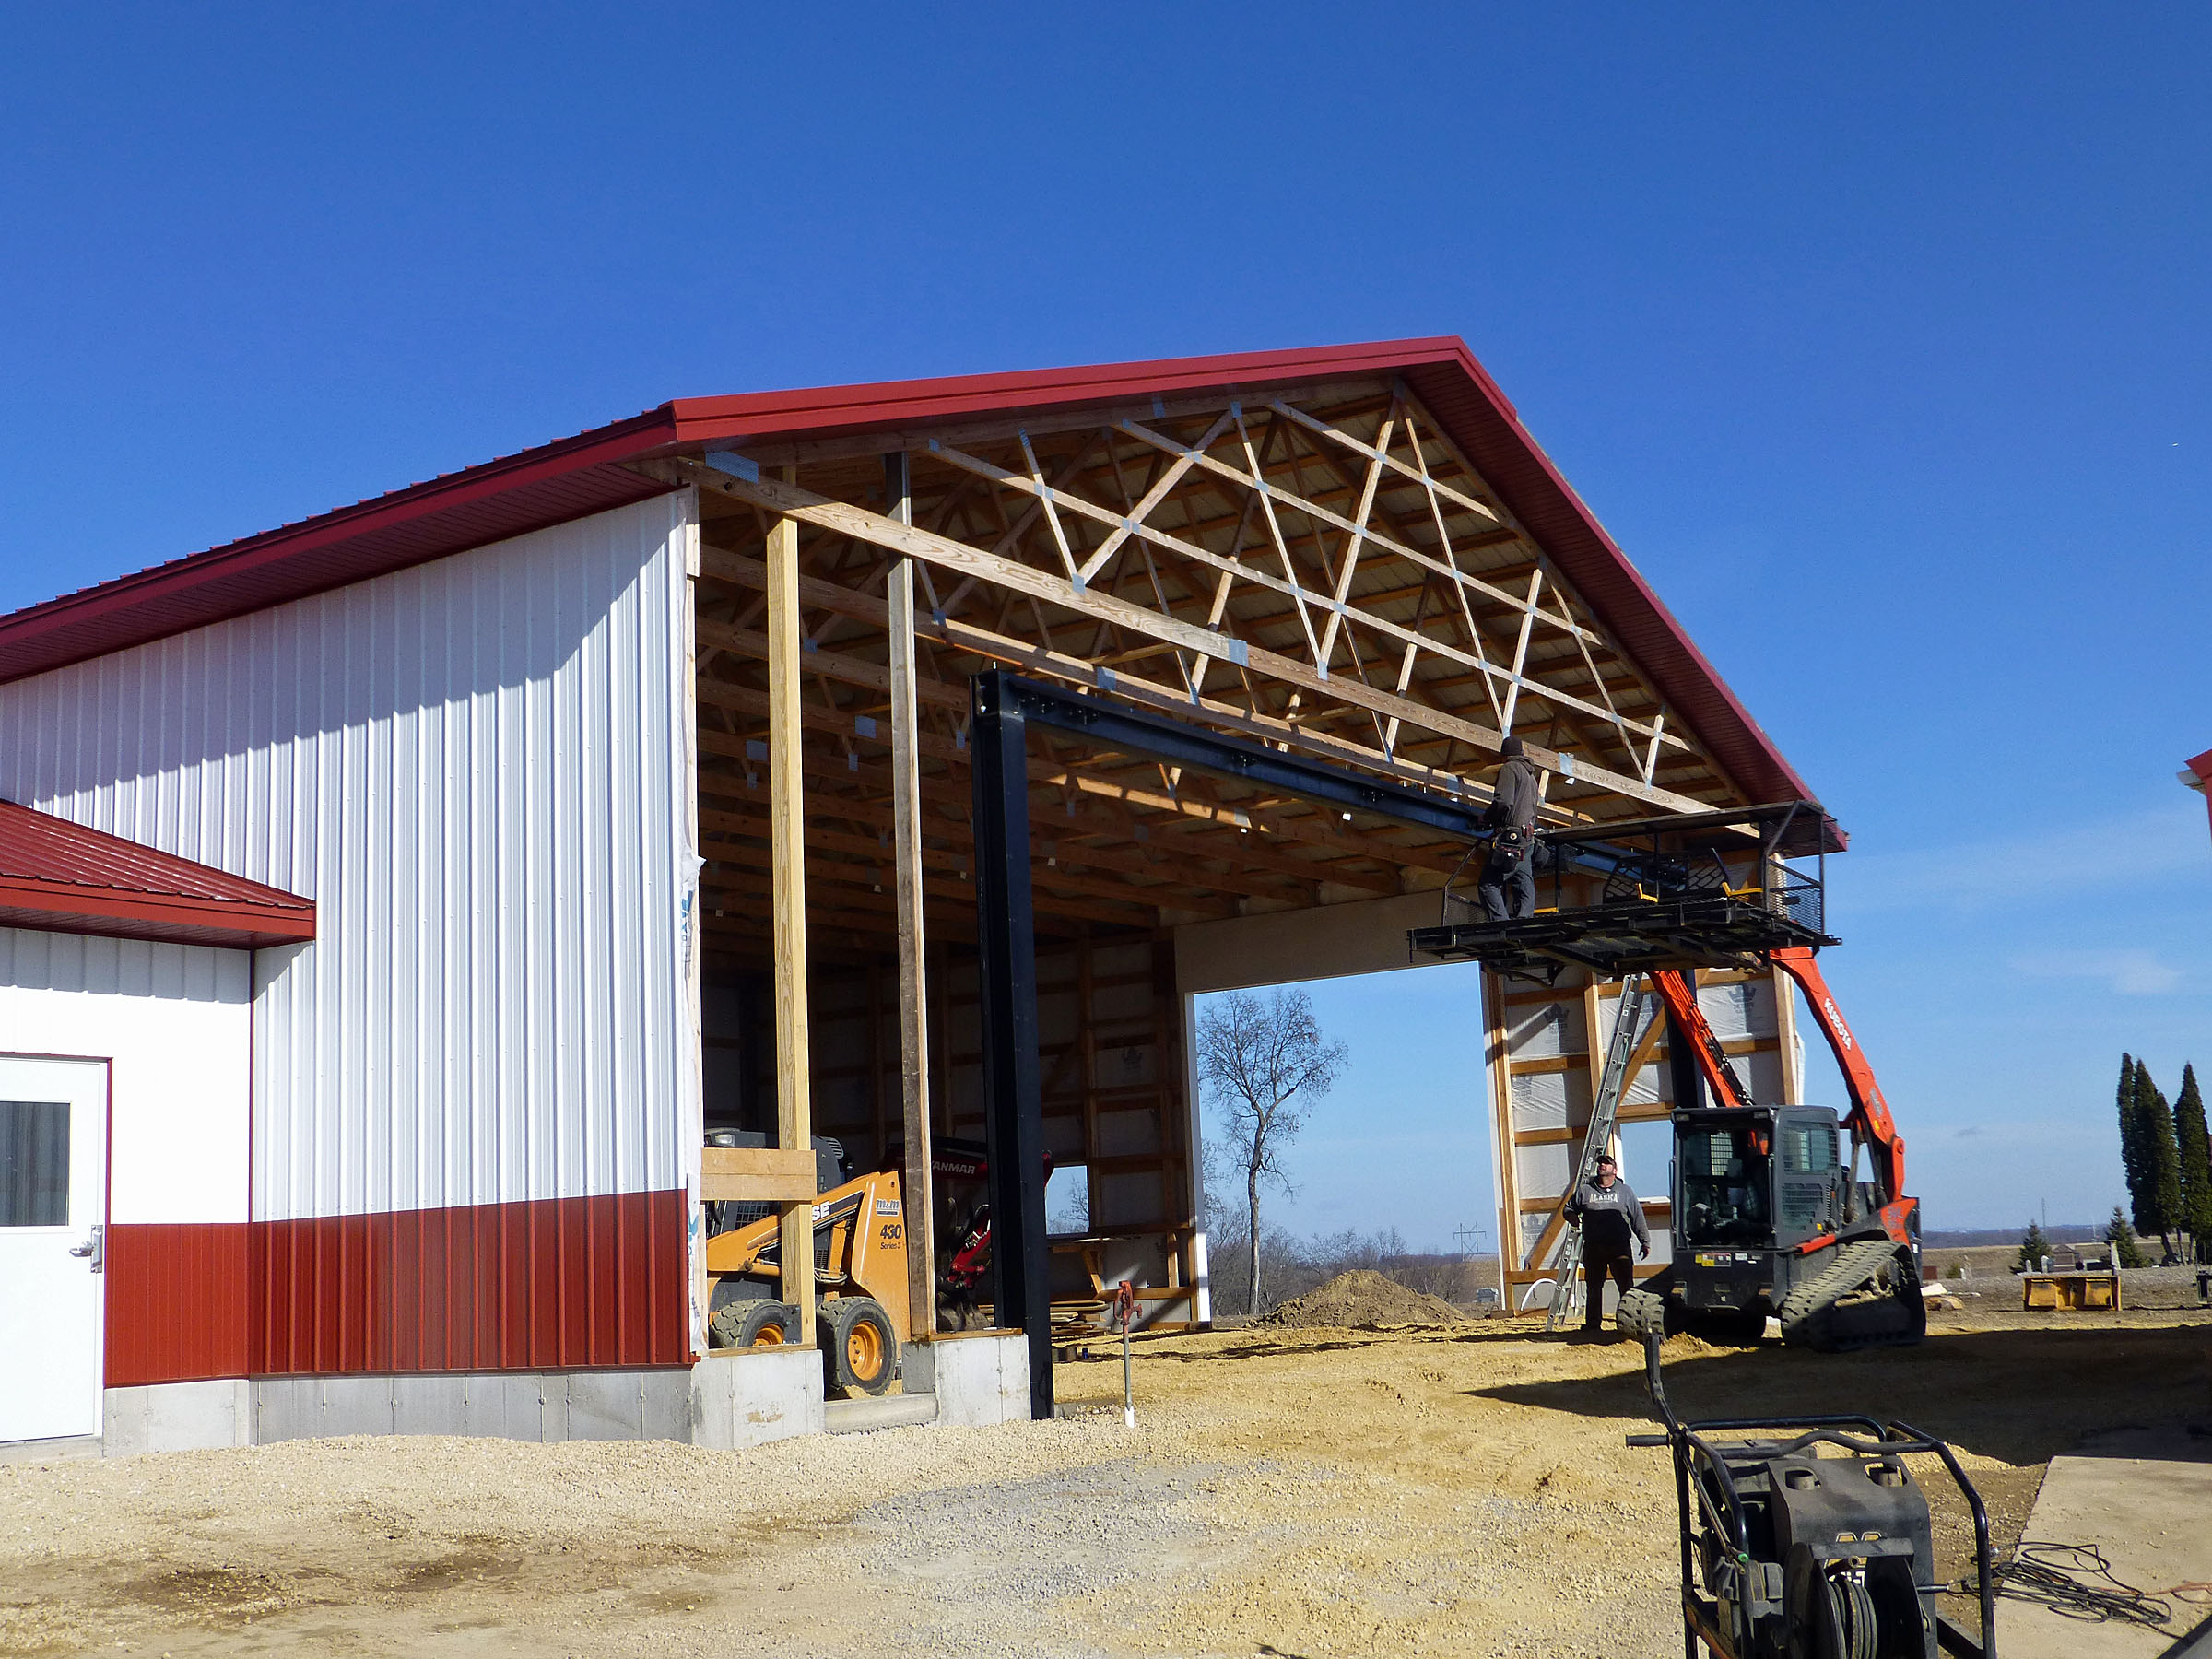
(859, 1271)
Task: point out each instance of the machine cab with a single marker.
(1757, 1179)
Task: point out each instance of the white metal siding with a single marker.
(479, 769)
(172, 1021)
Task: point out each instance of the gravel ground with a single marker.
(1306, 1493)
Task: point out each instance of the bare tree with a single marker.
(1263, 1061)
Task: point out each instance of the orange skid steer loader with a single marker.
(859, 1275)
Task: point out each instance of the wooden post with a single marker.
(914, 983)
(787, 878)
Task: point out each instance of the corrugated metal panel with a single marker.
(550, 1284)
(510, 1287)
(475, 769)
(179, 1308)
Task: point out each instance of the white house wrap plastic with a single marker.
(479, 771)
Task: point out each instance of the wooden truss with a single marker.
(1315, 568)
(1318, 569)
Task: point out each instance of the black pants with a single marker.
(1507, 888)
(1597, 1269)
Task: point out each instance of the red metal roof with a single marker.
(61, 878)
(584, 475)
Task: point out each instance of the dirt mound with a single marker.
(1363, 1297)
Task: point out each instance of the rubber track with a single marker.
(1804, 1314)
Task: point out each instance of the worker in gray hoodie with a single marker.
(1611, 1219)
(1508, 887)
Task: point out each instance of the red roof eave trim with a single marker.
(65, 899)
(637, 436)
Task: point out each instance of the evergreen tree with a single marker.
(2161, 1156)
(2034, 1247)
(2196, 1165)
(2131, 1139)
(2126, 1253)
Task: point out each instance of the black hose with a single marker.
(2063, 1577)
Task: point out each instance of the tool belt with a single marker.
(1510, 844)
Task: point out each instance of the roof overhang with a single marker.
(56, 876)
(592, 472)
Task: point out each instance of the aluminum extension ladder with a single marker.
(1628, 1027)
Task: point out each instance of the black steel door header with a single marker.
(1111, 724)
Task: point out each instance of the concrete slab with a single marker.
(890, 1411)
(50, 1451)
(2140, 1496)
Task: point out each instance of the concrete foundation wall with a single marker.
(178, 1416)
(728, 1401)
(749, 1397)
(980, 1379)
(527, 1405)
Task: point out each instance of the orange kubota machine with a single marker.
(1770, 1215)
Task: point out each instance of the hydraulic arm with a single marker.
(1869, 1121)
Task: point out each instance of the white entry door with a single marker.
(53, 1172)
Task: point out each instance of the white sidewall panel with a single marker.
(478, 770)
(175, 1023)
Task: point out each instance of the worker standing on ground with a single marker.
(1606, 1209)
(1507, 888)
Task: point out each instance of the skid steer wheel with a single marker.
(755, 1325)
(860, 1350)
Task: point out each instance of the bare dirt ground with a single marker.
(1299, 1493)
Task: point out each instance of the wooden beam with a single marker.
(1172, 889)
(1186, 859)
(913, 983)
(743, 571)
(844, 519)
(757, 1175)
(787, 902)
(1312, 830)
(1135, 907)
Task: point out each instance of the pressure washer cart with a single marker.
(1816, 1544)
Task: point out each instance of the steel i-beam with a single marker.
(1014, 1109)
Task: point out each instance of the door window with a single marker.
(34, 1163)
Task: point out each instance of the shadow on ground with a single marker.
(2021, 1396)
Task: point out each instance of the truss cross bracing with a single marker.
(1315, 569)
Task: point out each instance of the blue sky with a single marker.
(1879, 337)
